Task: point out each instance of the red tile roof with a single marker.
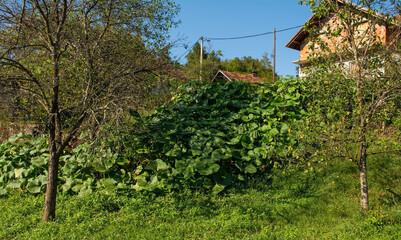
(230, 76)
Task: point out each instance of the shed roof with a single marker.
(230, 76)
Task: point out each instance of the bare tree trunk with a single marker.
(364, 179)
(49, 211)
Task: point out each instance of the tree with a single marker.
(354, 78)
(80, 60)
(210, 63)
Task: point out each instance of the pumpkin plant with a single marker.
(218, 133)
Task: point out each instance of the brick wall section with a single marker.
(334, 43)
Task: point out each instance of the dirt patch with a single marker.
(9, 129)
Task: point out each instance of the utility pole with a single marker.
(201, 59)
(274, 55)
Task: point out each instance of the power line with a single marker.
(235, 38)
(254, 35)
(189, 49)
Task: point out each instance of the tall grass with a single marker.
(290, 204)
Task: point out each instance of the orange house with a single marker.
(364, 30)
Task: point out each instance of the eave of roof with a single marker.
(296, 40)
(301, 62)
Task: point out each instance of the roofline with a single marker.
(301, 62)
(220, 71)
(288, 45)
(312, 18)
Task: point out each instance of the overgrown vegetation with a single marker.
(24, 160)
(213, 135)
(218, 133)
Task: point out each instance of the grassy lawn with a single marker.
(323, 204)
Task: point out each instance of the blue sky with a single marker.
(232, 18)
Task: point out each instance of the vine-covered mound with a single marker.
(218, 133)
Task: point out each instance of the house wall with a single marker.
(335, 43)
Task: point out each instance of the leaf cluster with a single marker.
(24, 164)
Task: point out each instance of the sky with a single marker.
(234, 18)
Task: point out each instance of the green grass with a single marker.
(323, 204)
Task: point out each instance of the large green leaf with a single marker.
(235, 140)
(39, 161)
(3, 191)
(250, 168)
(108, 184)
(161, 165)
(274, 132)
(85, 188)
(284, 128)
(67, 185)
(218, 188)
(69, 168)
(34, 186)
(16, 183)
(214, 168)
(15, 138)
(247, 142)
(218, 154)
(20, 173)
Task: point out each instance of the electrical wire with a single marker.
(251, 36)
(235, 38)
(189, 49)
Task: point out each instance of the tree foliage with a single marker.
(248, 65)
(210, 63)
(80, 60)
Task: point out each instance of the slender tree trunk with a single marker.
(49, 211)
(364, 179)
